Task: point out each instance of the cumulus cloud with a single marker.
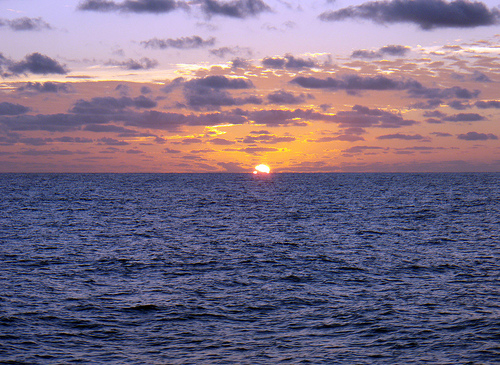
(179, 43)
(234, 9)
(13, 109)
(130, 64)
(428, 14)
(282, 97)
(211, 92)
(45, 87)
(495, 104)
(25, 24)
(364, 117)
(38, 64)
(132, 6)
(267, 139)
(406, 137)
(464, 117)
(288, 62)
(279, 117)
(474, 136)
(355, 82)
(391, 50)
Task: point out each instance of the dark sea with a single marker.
(245, 269)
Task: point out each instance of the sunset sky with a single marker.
(221, 86)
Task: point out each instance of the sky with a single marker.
(222, 86)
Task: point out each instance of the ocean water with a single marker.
(244, 269)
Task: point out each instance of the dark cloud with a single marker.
(222, 52)
(488, 104)
(288, 62)
(391, 50)
(26, 24)
(38, 64)
(211, 92)
(258, 150)
(428, 104)
(233, 167)
(480, 77)
(46, 87)
(355, 82)
(112, 142)
(13, 109)
(267, 139)
(221, 82)
(179, 43)
(361, 149)
(168, 150)
(132, 6)
(240, 63)
(405, 137)
(284, 97)
(234, 9)
(279, 117)
(435, 93)
(441, 134)
(110, 105)
(67, 139)
(146, 90)
(130, 64)
(474, 136)
(459, 105)
(428, 14)
(464, 117)
(221, 142)
(364, 117)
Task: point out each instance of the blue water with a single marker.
(244, 269)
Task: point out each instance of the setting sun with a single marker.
(264, 169)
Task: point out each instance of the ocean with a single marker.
(250, 269)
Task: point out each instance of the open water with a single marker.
(244, 269)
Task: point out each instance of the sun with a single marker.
(263, 169)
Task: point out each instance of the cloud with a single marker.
(355, 82)
(221, 142)
(258, 150)
(38, 64)
(288, 62)
(130, 64)
(222, 52)
(110, 105)
(364, 117)
(26, 24)
(405, 137)
(474, 136)
(13, 109)
(279, 117)
(282, 97)
(391, 50)
(464, 117)
(488, 104)
(267, 139)
(240, 63)
(46, 87)
(361, 149)
(234, 9)
(132, 6)
(428, 14)
(168, 150)
(112, 142)
(179, 43)
(232, 167)
(211, 92)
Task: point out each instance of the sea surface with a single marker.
(244, 269)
